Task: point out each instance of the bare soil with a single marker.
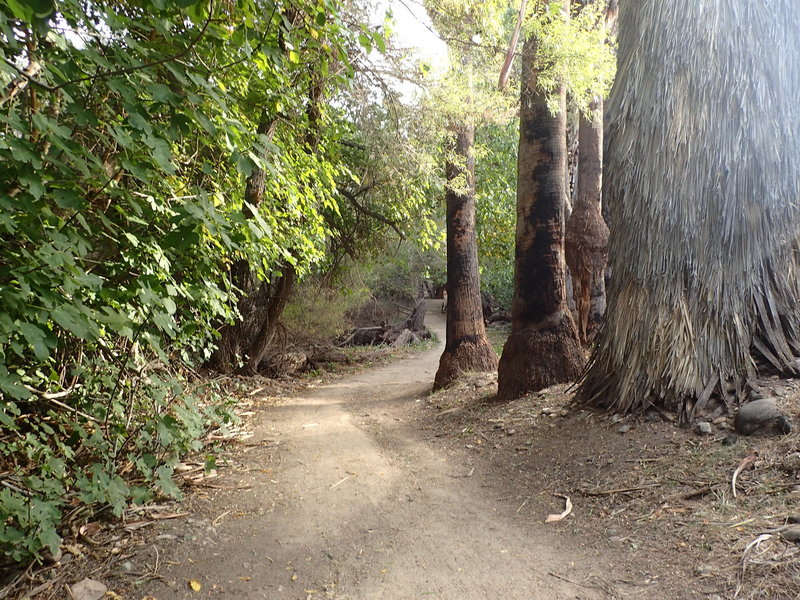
(372, 487)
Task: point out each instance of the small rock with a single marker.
(88, 589)
(652, 416)
(704, 571)
(127, 566)
(791, 535)
(761, 416)
(793, 519)
(50, 557)
(704, 427)
(624, 429)
(564, 412)
(617, 539)
(730, 439)
(547, 410)
(719, 421)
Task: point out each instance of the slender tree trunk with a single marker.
(234, 338)
(543, 347)
(587, 235)
(467, 348)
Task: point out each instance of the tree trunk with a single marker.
(543, 347)
(236, 337)
(466, 348)
(587, 235)
(701, 181)
(272, 312)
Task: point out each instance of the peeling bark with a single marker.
(586, 242)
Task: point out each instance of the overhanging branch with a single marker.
(371, 213)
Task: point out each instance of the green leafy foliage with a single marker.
(573, 49)
(128, 130)
(496, 199)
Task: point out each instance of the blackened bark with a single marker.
(543, 347)
(466, 348)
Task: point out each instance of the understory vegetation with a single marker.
(172, 171)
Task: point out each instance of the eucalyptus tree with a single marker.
(543, 347)
(701, 181)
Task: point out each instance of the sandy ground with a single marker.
(340, 496)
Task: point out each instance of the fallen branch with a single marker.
(53, 398)
(619, 490)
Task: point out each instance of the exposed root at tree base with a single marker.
(467, 356)
(535, 359)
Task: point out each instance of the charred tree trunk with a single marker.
(466, 348)
(543, 347)
(586, 242)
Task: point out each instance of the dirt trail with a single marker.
(355, 504)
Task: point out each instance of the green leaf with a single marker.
(40, 341)
(30, 9)
(139, 122)
(72, 320)
(162, 93)
(365, 42)
(165, 483)
(10, 384)
(380, 42)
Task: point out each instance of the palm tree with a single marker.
(467, 348)
(701, 180)
(586, 241)
(543, 347)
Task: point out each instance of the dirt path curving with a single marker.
(354, 503)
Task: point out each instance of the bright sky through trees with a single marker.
(413, 30)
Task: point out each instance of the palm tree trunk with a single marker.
(466, 348)
(701, 181)
(543, 347)
(586, 242)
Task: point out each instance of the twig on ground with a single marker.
(44, 586)
(748, 460)
(341, 481)
(619, 490)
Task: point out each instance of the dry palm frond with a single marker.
(701, 179)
